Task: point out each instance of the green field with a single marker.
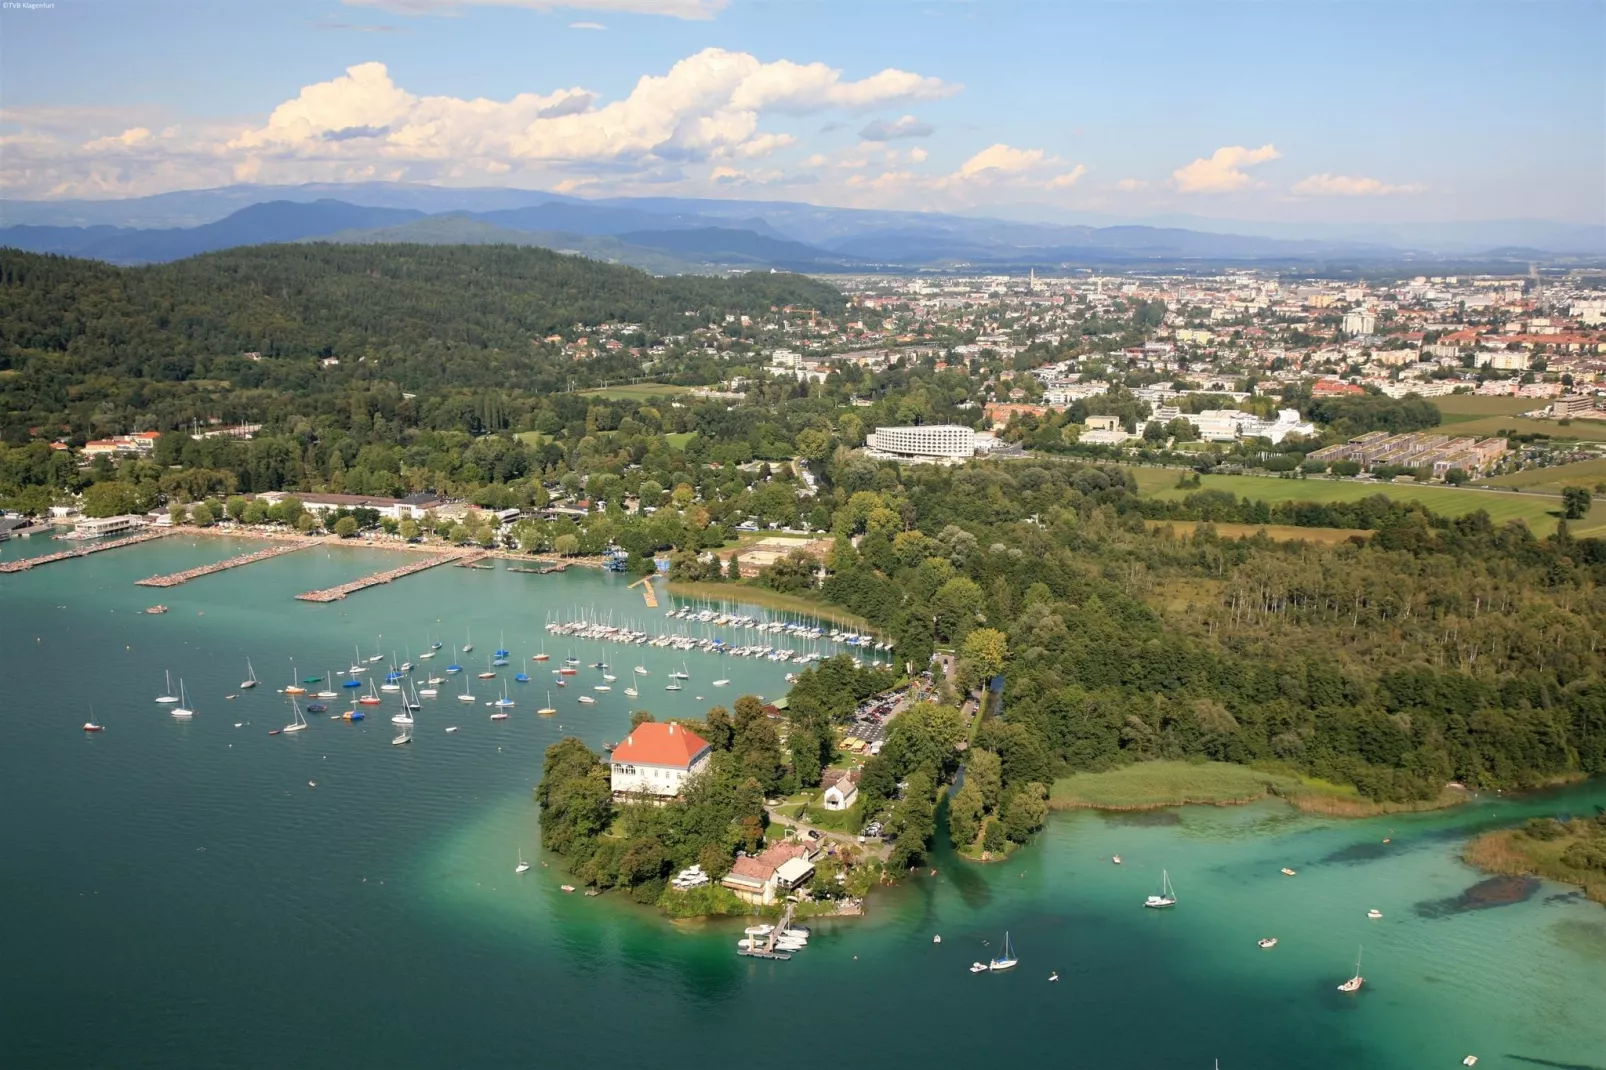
(678, 439)
(1151, 785)
(1552, 480)
(1533, 509)
(635, 391)
(533, 438)
(1486, 426)
(1474, 405)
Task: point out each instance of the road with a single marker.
(870, 848)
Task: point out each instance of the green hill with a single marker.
(464, 230)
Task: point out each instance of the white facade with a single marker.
(96, 527)
(646, 778)
(1361, 321)
(931, 441)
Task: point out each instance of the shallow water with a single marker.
(180, 896)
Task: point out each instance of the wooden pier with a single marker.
(768, 950)
(334, 594)
(26, 563)
(173, 579)
(645, 583)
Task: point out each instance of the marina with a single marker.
(334, 594)
(173, 579)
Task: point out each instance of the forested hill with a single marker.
(467, 315)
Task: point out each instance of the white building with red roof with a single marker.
(657, 760)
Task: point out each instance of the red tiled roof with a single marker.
(653, 743)
(752, 869)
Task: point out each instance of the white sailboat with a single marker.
(297, 725)
(721, 683)
(406, 734)
(1167, 896)
(465, 696)
(250, 677)
(1007, 960)
(632, 692)
(548, 710)
(182, 710)
(467, 644)
(379, 656)
(1354, 983)
(326, 693)
(523, 866)
(167, 697)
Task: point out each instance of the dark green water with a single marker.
(177, 895)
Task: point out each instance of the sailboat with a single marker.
(429, 651)
(672, 686)
(465, 696)
(296, 725)
(523, 865)
(250, 677)
(1354, 983)
(1005, 961)
(454, 667)
(489, 673)
(504, 703)
(325, 693)
(682, 674)
(167, 697)
(405, 735)
(467, 641)
(500, 655)
(641, 670)
(410, 702)
(721, 683)
(632, 692)
(1167, 896)
(182, 710)
(91, 725)
(404, 717)
(372, 698)
(294, 688)
(543, 655)
(548, 710)
(380, 656)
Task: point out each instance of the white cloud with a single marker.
(1131, 185)
(677, 9)
(999, 159)
(1068, 179)
(907, 126)
(918, 155)
(587, 26)
(130, 138)
(1222, 171)
(1326, 185)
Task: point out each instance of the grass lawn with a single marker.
(1534, 509)
(678, 439)
(1580, 430)
(1474, 405)
(1278, 532)
(1552, 480)
(1151, 785)
(533, 438)
(634, 391)
(787, 603)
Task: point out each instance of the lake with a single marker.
(179, 895)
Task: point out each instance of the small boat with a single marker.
(601, 687)
(523, 866)
(1167, 896)
(721, 683)
(1007, 960)
(1267, 941)
(317, 707)
(1470, 1060)
(405, 737)
(312, 783)
(182, 711)
(632, 692)
(155, 609)
(351, 683)
(1374, 913)
(499, 715)
(451, 728)
(1116, 859)
(1054, 975)
(91, 726)
(487, 676)
(1287, 872)
(167, 697)
(587, 700)
(936, 938)
(978, 967)
(1354, 983)
(275, 731)
(300, 722)
(565, 887)
(250, 676)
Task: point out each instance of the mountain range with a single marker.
(665, 235)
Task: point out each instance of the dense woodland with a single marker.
(1435, 650)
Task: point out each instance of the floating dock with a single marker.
(334, 594)
(26, 563)
(173, 579)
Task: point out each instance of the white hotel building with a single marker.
(926, 442)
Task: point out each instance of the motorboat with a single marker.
(1287, 872)
(587, 700)
(978, 967)
(451, 728)
(1116, 859)
(1374, 914)
(1267, 941)
(91, 726)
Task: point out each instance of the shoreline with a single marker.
(741, 592)
(1516, 852)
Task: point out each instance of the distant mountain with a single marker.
(726, 245)
(259, 224)
(463, 229)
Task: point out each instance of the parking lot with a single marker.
(871, 719)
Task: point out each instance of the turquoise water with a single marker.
(179, 896)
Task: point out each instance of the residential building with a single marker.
(841, 789)
(656, 760)
(758, 879)
(1360, 321)
(1570, 405)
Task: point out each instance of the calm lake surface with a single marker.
(177, 895)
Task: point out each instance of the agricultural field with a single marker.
(1538, 511)
(1151, 785)
(1276, 532)
(1473, 406)
(1551, 480)
(1486, 426)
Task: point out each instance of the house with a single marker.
(781, 867)
(841, 788)
(656, 760)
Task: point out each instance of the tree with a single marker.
(733, 568)
(111, 498)
(1026, 812)
(965, 810)
(1575, 502)
(983, 769)
(408, 529)
(986, 649)
(992, 837)
(346, 527)
(178, 513)
(566, 545)
(922, 738)
(913, 821)
(955, 605)
(201, 515)
(237, 506)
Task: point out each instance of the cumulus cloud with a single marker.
(1326, 185)
(128, 139)
(677, 9)
(1223, 170)
(1131, 185)
(907, 126)
(999, 159)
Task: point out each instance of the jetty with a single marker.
(334, 594)
(173, 579)
(645, 583)
(544, 570)
(26, 563)
(768, 950)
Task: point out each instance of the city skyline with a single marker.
(1295, 112)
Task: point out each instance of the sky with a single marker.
(1314, 110)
